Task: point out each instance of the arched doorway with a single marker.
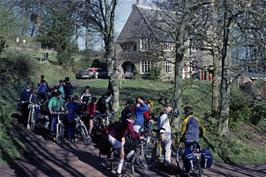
(129, 69)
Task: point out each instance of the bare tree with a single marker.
(98, 16)
(226, 25)
(181, 20)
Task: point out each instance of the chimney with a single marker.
(137, 2)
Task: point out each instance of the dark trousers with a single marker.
(53, 122)
(70, 130)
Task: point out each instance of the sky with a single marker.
(123, 11)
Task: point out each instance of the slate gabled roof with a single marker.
(145, 22)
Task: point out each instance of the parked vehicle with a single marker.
(84, 74)
(98, 73)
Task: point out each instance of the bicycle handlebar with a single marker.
(59, 113)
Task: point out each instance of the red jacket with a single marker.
(91, 109)
(124, 129)
(147, 115)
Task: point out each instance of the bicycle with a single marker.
(194, 160)
(60, 130)
(134, 159)
(32, 116)
(100, 123)
(83, 130)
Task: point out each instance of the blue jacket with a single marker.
(25, 95)
(72, 108)
(139, 112)
(42, 88)
(191, 129)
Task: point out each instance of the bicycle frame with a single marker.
(31, 116)
(59, 135)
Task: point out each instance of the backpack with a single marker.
(104, 145)
(206, 158)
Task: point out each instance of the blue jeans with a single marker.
(53, 122)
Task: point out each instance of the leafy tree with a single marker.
(98, 16)
(57, 31)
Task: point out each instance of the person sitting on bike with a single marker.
(72, 108)
(117, 136)
(56, 104)
(91, 112)
(165, 131)
(104, 104)
(140, 108)
(191, 131)
(85, 98)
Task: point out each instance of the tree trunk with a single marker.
(225, 103)
(112, 85)
(225, 80)
(178, 86)
(215, 87)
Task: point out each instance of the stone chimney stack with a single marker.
(137, 2)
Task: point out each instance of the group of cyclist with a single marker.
(135, 117)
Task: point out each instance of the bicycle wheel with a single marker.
(29, 120)
(60, 134)
(199, 169)
(138, 161)
(85, 135)
(32, 122)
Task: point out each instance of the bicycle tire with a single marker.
(136, 161)
(32, 122)
(85, 135)
(29, 120)
(60, 134)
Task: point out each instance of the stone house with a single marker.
(141, 47)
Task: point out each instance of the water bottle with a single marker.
(130, 154)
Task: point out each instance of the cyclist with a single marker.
(56, 104)
(91, 112)
(165, 131)
(140, 108)
(85, 98)
(104, 104)
(72, 108)
(117, 135)
(191, 131)
(41, 80)
(42, 91)
(68, 88)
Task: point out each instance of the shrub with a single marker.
(240, 109)
(244, 107)
(155, 73)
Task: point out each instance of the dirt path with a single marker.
(45, 158)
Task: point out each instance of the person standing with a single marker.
(68, 88)
(140, 108)
(165, 131)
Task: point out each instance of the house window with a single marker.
(129, 46)
(145, 67)
(144, 44)
(168, 67)
(166, 46)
